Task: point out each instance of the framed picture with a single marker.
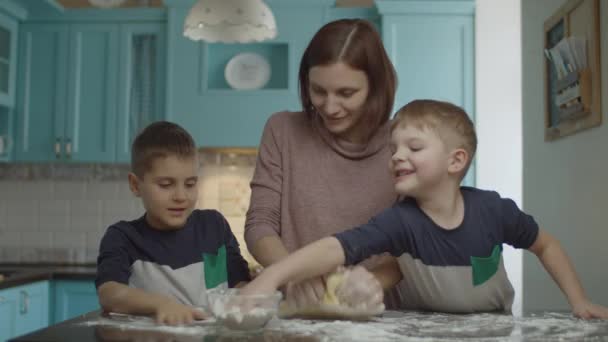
(572, 85)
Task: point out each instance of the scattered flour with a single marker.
(392, 326)
(234, 318)
(128, 322)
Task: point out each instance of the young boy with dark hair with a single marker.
(154, 265)
(446, 237)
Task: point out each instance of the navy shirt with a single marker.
(432, 257)
(169, 262)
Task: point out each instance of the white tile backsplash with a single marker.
(67, 190)
(63, 220)
(54, 207)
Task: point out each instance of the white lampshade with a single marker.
(106, 3)
(230, 21)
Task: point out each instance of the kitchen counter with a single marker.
(20, 274)
(391, 326)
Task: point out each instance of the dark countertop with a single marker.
(22, 274)
(391, 326)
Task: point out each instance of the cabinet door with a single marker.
(33, 308)
(42, 82)
(8, 313)
(91, 120)
(73, 298)
(141, 76)
(8, 53)
(431, 45)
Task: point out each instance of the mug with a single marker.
(5, 144)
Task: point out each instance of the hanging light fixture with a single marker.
(106, 3)
(230, 21)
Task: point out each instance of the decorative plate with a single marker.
(247, 71)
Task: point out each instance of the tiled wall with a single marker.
(224, 186)
(60, 221)
(59, 216)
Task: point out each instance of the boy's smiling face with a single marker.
(168, 191)
(420, 160)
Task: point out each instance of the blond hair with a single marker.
(447, 119)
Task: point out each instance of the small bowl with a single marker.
(242, 312)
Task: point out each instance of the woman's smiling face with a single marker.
(338, 93)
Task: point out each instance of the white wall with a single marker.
(565, 181)
(498, 111)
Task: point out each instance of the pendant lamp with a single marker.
(230, 21)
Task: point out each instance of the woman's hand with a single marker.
(360, 289)
(262, 284)
(305, 293)
(588, 310)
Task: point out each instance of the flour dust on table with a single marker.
(390, 326)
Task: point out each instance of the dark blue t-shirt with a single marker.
(169, 262)
(456, 270)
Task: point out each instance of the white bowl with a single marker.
(243, 312)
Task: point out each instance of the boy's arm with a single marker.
(315, 259)
(117, 297)
(556, 262)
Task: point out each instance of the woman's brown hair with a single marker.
(356, 43)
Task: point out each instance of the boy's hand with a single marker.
(173, 313)
(588, 310)
(305, 293)
(360, 288)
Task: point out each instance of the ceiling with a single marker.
(159, 3)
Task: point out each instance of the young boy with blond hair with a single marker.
(447, 238)
(154, 265)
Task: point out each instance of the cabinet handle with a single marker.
(57, 148)
(25, 302)
(68, 148)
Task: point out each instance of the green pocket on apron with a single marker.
(485, 267)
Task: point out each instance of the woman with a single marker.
(324, 169)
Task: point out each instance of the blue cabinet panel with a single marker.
(73, 298)
(76, 101)
(8, 313)
(91, 121)
(24, 309)
(431, 45)
(33, 310)
(8, 59)
(141, 89)
(41, 106)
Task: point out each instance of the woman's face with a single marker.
(338, 93)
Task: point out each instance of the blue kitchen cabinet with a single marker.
(8, 59)
(431, 45)
(199, 98)
(24, 309)
(141, 93)
(72, 298)
(90, 125)
(8, 313)
(66, 108)
(86, 89)
(33, 309)
(42, 81)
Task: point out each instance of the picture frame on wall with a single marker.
(572, 69)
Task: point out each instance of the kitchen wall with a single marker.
(58, 213)
(58, 217)
(499, 114)
(564, 181)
